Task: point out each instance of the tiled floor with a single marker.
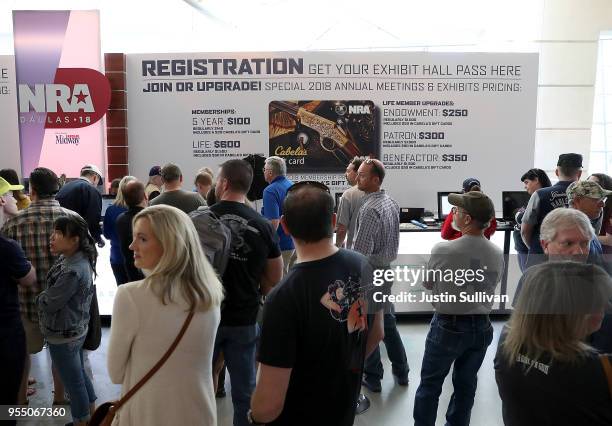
(393, 406)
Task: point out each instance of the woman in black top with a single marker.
(545, 372)
(533, 179)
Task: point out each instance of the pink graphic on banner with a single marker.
(70, 105)
(38, 38)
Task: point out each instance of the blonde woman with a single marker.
(546, 373)
(147, 317)
(110, 231)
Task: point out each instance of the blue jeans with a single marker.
(68, 360)
(239, 345)
(373, 369)
(462, 340)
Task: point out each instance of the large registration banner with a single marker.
(61, 93)
(432, 118)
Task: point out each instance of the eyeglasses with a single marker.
(311, 183)
(456, 209)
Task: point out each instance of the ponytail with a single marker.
(74, 225)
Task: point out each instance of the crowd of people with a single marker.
(287, 308)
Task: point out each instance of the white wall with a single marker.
(9, 130)
(568, 62)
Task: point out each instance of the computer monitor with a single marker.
(107, 200)
(444, 207)
(411, 213)
(512, 201)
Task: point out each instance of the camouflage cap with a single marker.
(585, 188)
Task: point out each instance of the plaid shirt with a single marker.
(377, 229)
(32, 229)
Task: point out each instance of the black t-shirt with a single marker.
(15, 266)
(253, 243)
(552, 393)
(325, 348)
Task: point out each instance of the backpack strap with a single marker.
(605, 362)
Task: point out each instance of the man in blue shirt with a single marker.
(545, 200)
(275, 171)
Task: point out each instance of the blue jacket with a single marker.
(64, 306)
(110, 232)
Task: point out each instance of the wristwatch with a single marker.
(251, 420)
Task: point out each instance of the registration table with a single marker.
(414, 242)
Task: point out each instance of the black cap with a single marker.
(570, 160)
(155, 171)
(469, 183)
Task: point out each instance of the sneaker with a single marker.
(372, 385)
(363, 403)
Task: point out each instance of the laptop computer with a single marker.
(411, 213)
(107, 200)
(444, 207)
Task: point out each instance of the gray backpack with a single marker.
(215, 237)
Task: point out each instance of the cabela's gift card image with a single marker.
(322, 136)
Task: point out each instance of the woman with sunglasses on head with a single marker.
(448, 231)
(64, 310)
(533, 179)
(180, 291)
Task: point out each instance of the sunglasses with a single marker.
(310, 183)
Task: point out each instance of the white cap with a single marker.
(91, 168)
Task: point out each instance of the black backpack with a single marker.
(215, 237)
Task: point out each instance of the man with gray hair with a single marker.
(275, 171)
(567, 234)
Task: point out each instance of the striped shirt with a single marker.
(377, 229)
(32, 229)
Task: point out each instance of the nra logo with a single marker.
(77, 98)
(359, 109)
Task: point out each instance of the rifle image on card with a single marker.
(333, 137)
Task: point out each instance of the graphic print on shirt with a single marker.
(346, 303)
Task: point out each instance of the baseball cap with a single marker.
(155, 171)
(470, 182)
(585, 188)
(477, 204)
(570, 160)
(91, 168)
(6, 187)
